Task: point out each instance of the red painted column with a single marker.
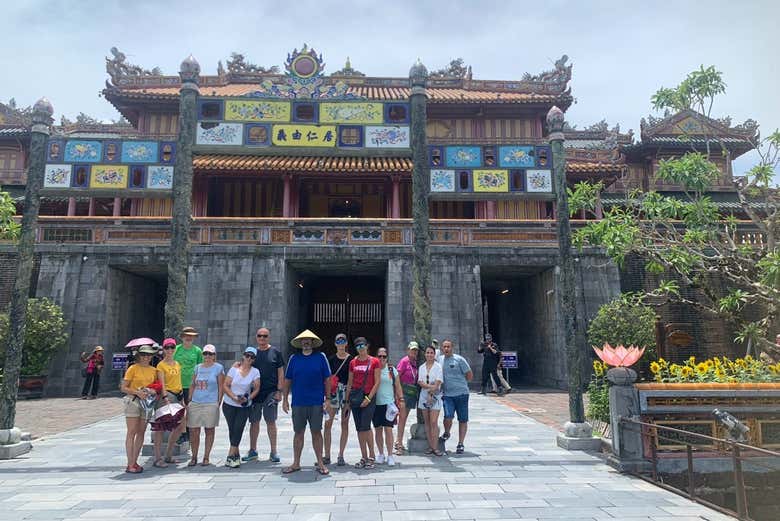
(296, 197)
(71, 206)
(492, 209)
(91, 206)
(599, 207)
(117, 206)
(396, 214)
(286, 197)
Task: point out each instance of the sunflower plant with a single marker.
(716, 370)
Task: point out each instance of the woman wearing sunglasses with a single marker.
(241, 385)
(170, 370)
(203, 408)
(430, 378)
(389, 393)
(136, 386)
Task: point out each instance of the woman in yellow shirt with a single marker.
(135, 385)
(169, 371)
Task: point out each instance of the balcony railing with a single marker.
(294, 232)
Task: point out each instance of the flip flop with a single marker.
(205, 463)
(160, 464)
(192, 462)
(134, 470)
(323, 470)
(170, 460)
(290, 470)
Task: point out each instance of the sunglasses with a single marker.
(360, 346)
(382, 356)
(169, 348)
(206, 353)
(341, 341)
(262, 336)
(145, 354)
(249, 355)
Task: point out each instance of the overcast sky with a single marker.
(622, 51)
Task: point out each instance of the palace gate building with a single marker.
(302, 212)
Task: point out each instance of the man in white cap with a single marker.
(307, 376)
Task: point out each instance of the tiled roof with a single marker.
(584, 168)
(723, 200)
(13, 131)
(435, 94)
(301, 164)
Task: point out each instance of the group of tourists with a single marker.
(314, 389)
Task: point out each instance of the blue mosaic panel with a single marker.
(137, 176)
(257, 134)
(139, 151)
(55, 151)
(168, 152)
(516, 156)
(442, 180)
(80, 176)
(111, 151)
(397, 113)
(160, 177)
(81, 151)
(543, 157)
(464, 157)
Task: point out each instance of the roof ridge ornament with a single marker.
(118, 67)
(303, 79)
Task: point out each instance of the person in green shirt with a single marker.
(188, 355)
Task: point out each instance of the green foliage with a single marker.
(9, 228)
(45, 333)
(598, 393)
(696, 91)
(769, 270)
(583, 196)
(693, 171)
(617, 232)
(625, 320)
(734, 301)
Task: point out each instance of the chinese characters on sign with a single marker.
(304, 135)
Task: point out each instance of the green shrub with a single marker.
(598, 394)
(625, 321)
(45, 333)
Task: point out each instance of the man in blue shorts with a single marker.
(457, 375)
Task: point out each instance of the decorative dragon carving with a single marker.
(118, 67)
(238, 64)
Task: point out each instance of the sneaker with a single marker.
(341, 461)
(459, 449)
(274, 458)
(390, 461)
(233, 462)
(380, 459)
(250, 456)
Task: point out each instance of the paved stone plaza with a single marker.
(511, 470)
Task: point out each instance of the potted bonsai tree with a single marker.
(44, 335)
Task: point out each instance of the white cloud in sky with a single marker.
(622, 51)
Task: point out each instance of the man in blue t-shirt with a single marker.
(307, 375)
(457, 375)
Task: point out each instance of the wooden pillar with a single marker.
(491, 209)
(286, 197)
(296, 197)
(117, 206)
(134, 207)
(599, 207)
(396, 213)
(91, 206)
(71, 206)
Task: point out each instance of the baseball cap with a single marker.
(169, 342)
(341, 336)
(413, 345)
(251, 350)
(209, 348)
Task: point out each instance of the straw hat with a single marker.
(296, 342)
(99, 348)
(149, 350)
(189, 330)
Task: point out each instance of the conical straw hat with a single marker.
(296, 342)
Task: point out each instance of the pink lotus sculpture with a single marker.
(619, 356)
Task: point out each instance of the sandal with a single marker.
(428, 452)
(135, 469)
(169, 459)
(323, 470)
(399, 449)
(437, 452)
(160, 464)
(205, 462)
(360, 464)
(290, 470)
(193, 462)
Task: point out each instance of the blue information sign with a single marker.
(509, 359)
(119, 361)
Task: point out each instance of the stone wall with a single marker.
(110, 294)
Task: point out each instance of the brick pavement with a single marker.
(52, 415)
(511, 470)
(545, 405)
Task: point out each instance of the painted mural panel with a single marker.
(298, 135)
(491, 180)
(79, 151)
(538, 181)
(273, 111)
(57, 176)
(139, 151)
(516, 156)
(387, 137)
(109, 176)
(220, 134)
(463, 157)
(353, 113)
(442, 180)
(160, 177)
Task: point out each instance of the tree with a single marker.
(625, 320)
(455, 69)
(688, 241)
(9, 228)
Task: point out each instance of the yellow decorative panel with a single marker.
(352, 113)
(108, 176)
(491, 180)
(304, 135)
(252, 110)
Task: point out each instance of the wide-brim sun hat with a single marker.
(296, 342)
(98, 348)
(147, 350)
(189, 331)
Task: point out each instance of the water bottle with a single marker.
(325, 414)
